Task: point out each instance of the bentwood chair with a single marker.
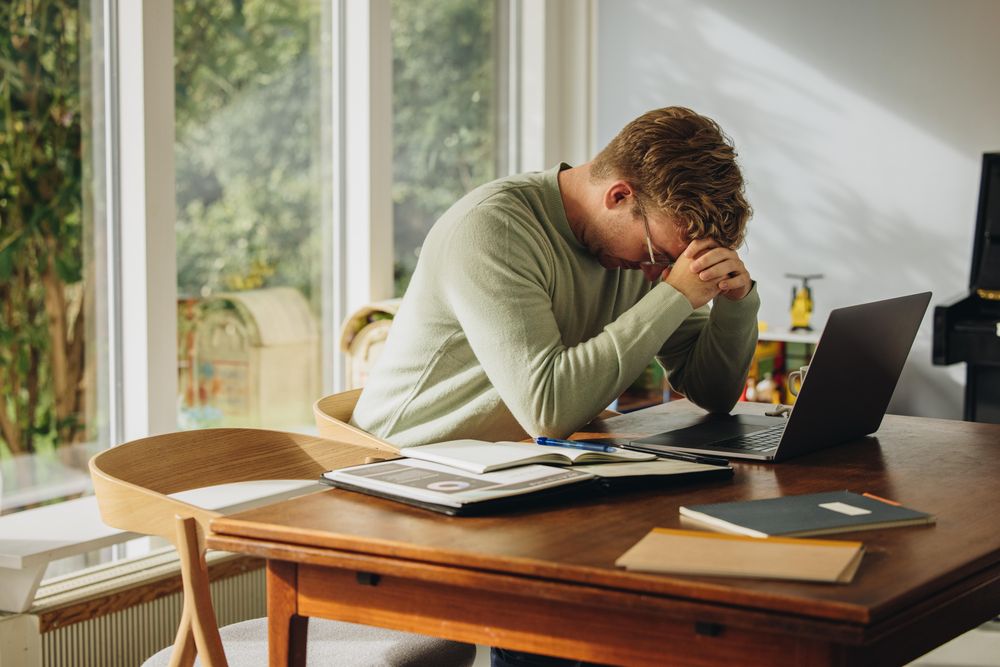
(133, 482)
(333, 416)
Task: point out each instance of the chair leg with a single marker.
(183, 652)
(197, 596)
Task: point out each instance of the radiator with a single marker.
(120, 614)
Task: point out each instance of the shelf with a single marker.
(790, 336)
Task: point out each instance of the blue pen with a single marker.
(589, 446)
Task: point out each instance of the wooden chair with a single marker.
(333, 416)
(132, 483)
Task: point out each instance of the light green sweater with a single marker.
(511, 328)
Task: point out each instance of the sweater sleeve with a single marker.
(499, 285)
(708, 356)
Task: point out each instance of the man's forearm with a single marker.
(708, 358)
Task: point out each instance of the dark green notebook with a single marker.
(809, 514)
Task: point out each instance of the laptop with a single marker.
(851, 377)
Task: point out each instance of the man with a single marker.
(539, 298)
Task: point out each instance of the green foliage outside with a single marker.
(444, 114)
(41, 260)
(247, 114)
(248, 177)
(248, 117)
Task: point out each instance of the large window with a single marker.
(53, 389)
(254, 105)
(255, 127)
(448, 65)
(250, 125)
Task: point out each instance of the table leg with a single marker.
(286, 630)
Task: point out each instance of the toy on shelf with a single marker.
(767, 390)
(777, 352)
(802, 301)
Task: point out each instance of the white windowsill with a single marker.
(30, 540)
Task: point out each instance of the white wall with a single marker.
(860, 127)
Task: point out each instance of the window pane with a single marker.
(249, 181)
(445, 118)
(52, 362)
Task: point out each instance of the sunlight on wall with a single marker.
(839, 180)
(856, 132)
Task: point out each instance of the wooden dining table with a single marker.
(544, 579)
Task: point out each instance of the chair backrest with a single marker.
(333, 416)
(132, 481)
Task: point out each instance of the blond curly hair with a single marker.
(682, 164)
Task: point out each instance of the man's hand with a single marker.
(705, 269)
(721, 267)
(683, 276)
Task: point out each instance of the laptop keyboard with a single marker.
(760, 441)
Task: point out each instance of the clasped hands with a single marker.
(705, 270)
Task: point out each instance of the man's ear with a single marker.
(617, 193)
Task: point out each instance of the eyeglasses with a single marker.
(658, 260)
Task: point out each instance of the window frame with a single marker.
(142, 286)
(553, 69)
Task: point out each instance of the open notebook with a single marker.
(479, 456)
